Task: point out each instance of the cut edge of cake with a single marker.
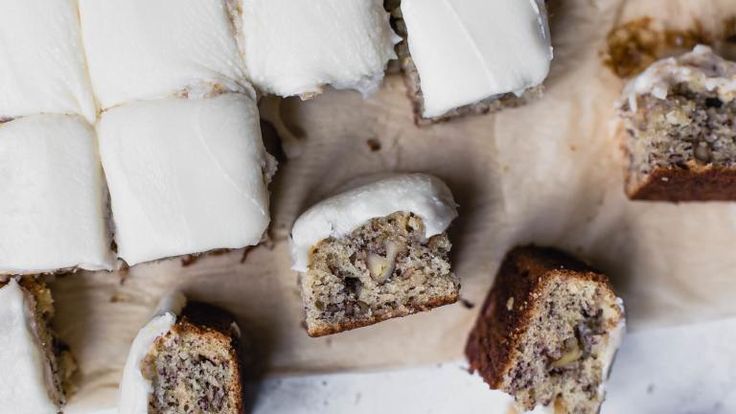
(383, 269)
(675, 129)
(188, 357)
(560, 361)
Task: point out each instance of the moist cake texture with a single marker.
(185, 360)
(383, 269)
(376, 251)
(194, 367)
(548, 332)
(679, 132)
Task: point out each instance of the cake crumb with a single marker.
(634, 45)
(374, 145)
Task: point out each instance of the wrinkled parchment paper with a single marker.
(548, 173)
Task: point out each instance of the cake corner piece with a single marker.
(43, 366)
(427, 57)
(387, 257)
(189, 343)
(548, 331)
(677, 131)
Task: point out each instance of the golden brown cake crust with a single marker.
(690, 183)
(508, 309)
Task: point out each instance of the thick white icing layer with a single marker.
(484, 48)
(701, 69)
(134, 388)
(42, 64)
(421, 194)
(185, 175)
(295, 47)
(24, 386)
(146, 49)
(53, 210)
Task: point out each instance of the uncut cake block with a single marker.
(53, 213)
(35, 365)
(490, 54)
(679, 132)
(185, 175)
(375, 252)
(42, 64)
(295, 47)
(548, 332)
(148, 49)
(185, 360)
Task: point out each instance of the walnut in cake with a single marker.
(377, 251)
(679, 133)
(548, 332)
(383, 269)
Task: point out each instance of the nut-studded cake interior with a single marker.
(383, 269)
(548, 331)
(563, 354)
(688, 128)
(193, 370)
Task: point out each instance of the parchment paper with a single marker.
(549, 173)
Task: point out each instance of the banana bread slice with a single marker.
(185, 364)
(37, 365)
(383, 269)
(548, 332)
(377, 251)
(474, 75)
(679, 129)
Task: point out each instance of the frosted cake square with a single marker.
(185, 175)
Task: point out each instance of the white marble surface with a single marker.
(687, 369)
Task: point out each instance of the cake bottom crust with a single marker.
(693, 183)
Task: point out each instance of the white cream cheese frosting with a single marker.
(185, 175)
(701, 69)
(24, 384)
(147, 49)
(134, 388)
(295, 47)
(469, 50)
(53, 212)
(424, 195)
(42, 63)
